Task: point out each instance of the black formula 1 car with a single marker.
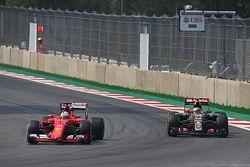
(66, 127)
(196, 121)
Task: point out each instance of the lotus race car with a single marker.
(196, 120)
(66, 127)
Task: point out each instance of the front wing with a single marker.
(69, 139)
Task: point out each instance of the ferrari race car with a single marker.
(67, 127)
(197, 121)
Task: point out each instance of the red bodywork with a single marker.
(53, 127)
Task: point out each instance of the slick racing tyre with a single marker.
(172, 122)
(169, 115)
(98, 128)
(85, 130)
(33, 128)
(222, 123)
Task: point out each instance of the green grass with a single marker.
(236, 112)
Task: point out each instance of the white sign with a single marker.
(144, 50)
(192, 22)
(33, 37)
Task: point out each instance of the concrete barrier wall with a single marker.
(126, 77)
(196, 87)
(1, 54)
(140, 79)
(151, 81)
(185, 85)
(208, 88)
(16, 57)
(96, 71)
(64, 66)
(91, 70)
(244, 95)
(73, 67)
(47, 64)
(41, 62)
(13, 56)
(82, 69)
(110, 75)
(6, 55)
(233, 95)
(220, 91)
(20, 58)
(167, 83)
(55, 63)
(26, 59)
(100, 72)
(33, 61)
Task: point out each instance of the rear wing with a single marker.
(191, 101)
(74, 106)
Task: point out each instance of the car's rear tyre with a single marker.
(98, 128)
(85, 130)
(172, 122)
(222, 124)
(33, 128)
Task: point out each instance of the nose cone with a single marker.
(57, 132)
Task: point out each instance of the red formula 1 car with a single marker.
(66, 127)
(197, 120)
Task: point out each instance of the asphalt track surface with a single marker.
(135, 134)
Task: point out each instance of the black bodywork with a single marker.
(202, 122)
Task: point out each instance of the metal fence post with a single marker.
(89, 40)
(118, 26)
(244, 55)
(194, 55)
(99, 40)
(159, 52)
(107, 40)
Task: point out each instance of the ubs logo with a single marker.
(186, 20)
(195, 20)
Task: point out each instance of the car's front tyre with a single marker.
(85, 130)
(33, 128)
(222, 124)
(172, 121)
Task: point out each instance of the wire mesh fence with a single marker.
(221, 51)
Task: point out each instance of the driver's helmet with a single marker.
(65, 115)
(197, 110)
(197, 104)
